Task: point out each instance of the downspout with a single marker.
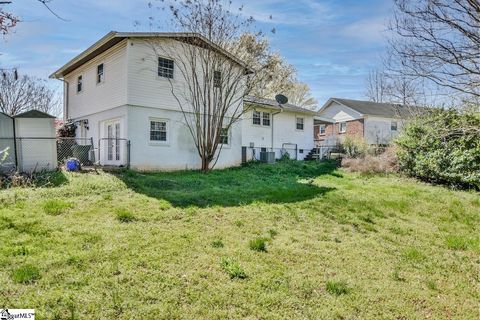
(272, 124)
(65, 98)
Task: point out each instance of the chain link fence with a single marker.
(38, 154)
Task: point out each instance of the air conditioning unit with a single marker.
(267, 157)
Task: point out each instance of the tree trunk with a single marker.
(205, 164)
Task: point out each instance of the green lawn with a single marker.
(284, 241)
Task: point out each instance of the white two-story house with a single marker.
(119, 92)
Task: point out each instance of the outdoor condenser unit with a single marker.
(267, 157)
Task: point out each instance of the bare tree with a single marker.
(277, 75)
(215, 73)
(9, 20)
(25, 93)
(439, 40)
(377, 86)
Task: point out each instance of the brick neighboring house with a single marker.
(375, 123)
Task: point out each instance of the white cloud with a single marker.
(370, 30)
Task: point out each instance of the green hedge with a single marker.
(442, 147)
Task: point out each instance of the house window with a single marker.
(217, 79)
(342, 127)
(256, 117)
(165, 68)
(158, 131)
(322, 129)
(79, 84)
(100, 74)
(393, 126)
(224, 136)
(299, 123)
(266, 119)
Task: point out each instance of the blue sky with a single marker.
(332, 44)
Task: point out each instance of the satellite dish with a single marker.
(281, 99)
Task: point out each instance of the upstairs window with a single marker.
(79, 84)
(224, 136)
(266, 119)
(299, 123)
(217, 79)
(342, 127)
(165, 68)
(100, 74)
(393, 126)
(256, 117)
(322, 129)
(158, 131)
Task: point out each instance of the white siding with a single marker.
(7, 157)
(378, 130)
(99, 97)
(179, 152)
(6, 126)
(36, 154)
(284, 132)
(339, 113)
(146, 88)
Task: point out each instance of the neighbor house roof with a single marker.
(370, 108)
(34, 114)
(114, 37)
(272, 104)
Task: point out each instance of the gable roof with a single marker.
(34, 114)
(114, 37)
(389, 110)
(6, 115)
(273, 104)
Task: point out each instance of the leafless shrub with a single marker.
(385, 162)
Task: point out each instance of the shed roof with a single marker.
(34, 114)
(389, 110)
(6, 115)
(114, 37)
(272, 104)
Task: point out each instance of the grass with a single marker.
(26, 274)
(258, 244)
(56, 207)
(340, 245)
(337, 288)
(124, 215)
(232, 268)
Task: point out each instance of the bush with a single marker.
(354, 147)
(258, 244)
(26, 274)
(442, 147)
(232, 268)
(385, 162)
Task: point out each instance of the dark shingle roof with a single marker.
(375, 108)
(272, 104)
(34, 114)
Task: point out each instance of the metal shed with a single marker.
(7, 143)
(35, 141)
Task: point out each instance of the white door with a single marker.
(112, 143)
